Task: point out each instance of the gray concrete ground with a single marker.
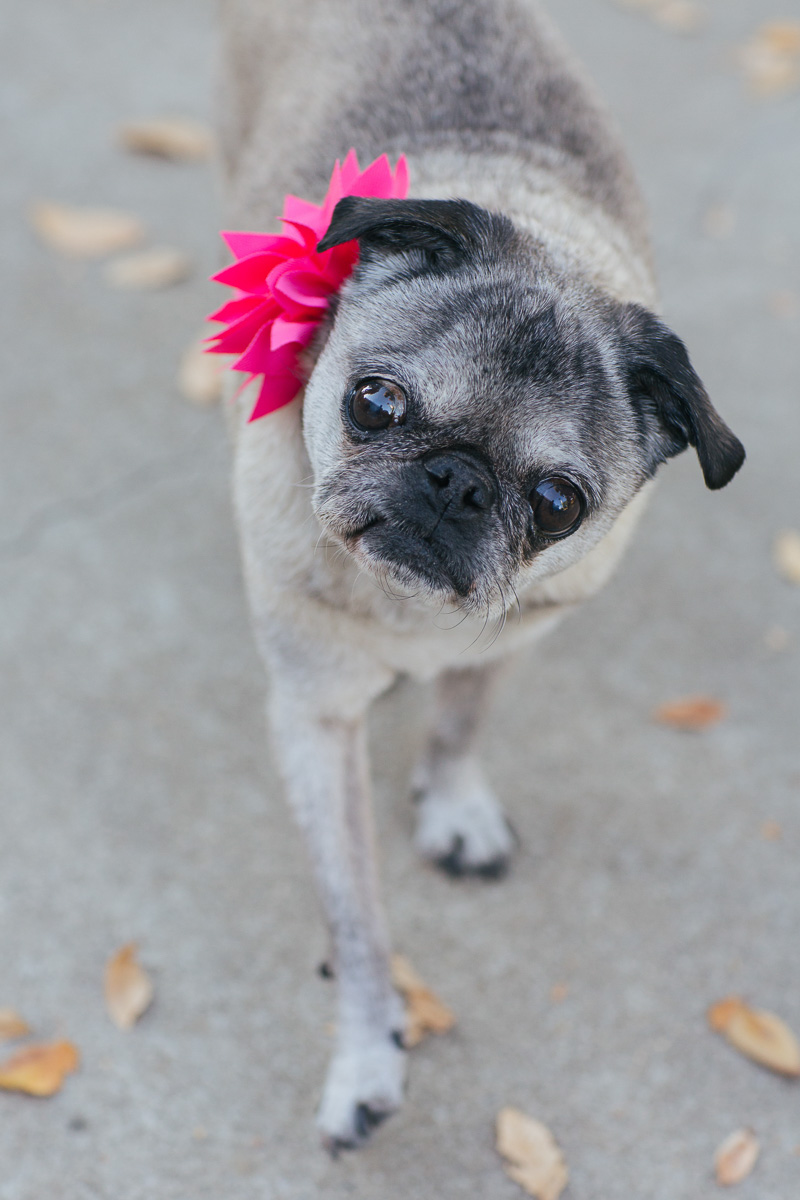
(138, 797)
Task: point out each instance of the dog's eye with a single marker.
(377, 404)
(557, 507)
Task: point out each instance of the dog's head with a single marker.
(479, 417)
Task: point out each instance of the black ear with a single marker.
(671, 403)
(446, 229)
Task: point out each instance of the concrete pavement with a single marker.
(138, 799)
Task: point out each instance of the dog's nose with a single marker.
(457, 483)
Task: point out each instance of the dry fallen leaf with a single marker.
(128, 987)
(534, 1160)
(148, 270)
(783, 36)
(39, 1070)
(786, 555)
(425, 1012)
(200, 375)
(771, 59)
(783, 303)
(759, 1035)
(85, 232)
(559, 993)
(168, 137)
(12, 1025)
(777, 639)
(719, 221)
(692, 713)
(720, 1014)
(736, 1157)
(771, 831)
(678, 16)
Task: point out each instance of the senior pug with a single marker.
(485, 407)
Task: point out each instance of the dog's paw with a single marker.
(363, 1087)
(461, 826)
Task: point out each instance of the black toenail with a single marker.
(496, 869)
(363, 1120)
(452, 862)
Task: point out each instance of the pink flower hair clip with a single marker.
(284, 284)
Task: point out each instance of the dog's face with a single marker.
(478, 419)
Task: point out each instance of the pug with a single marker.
(485, 409)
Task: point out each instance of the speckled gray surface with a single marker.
(138, 798)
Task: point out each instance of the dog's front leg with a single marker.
(321, 743)
(460, 825)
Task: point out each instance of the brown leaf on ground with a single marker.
(128, 987)
(771, 59)
(149, 270)
(559, 993)
(692, 713)
(39, 1070)
(425, 1012)
(678, 16)
(85, 232)
(168, 137)
(200, 375)
(777, 639)
(721, 1013)
(782, 36)
(771, 831)
(12, 1025)
(535, 1161)
(719, 221)
(736, 1157)
(759, 1035)
(783, 303)
(786, 555)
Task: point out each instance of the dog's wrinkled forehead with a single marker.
(496, 361)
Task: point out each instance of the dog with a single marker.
(485, 409)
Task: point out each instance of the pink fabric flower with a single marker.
(283, 284)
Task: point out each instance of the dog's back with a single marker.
(482, 78)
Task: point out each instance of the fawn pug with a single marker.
(484, 408)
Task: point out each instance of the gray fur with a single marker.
(526, 348)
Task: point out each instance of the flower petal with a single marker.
(291, 332)
(304, 290)
(238, 336)
(302, 212)
(249, 274)
(401, 179)
(255, 358)
(305, 233)
(376, 180)
(276, 391)
(235, 309)
(242, 244)
(350, 170)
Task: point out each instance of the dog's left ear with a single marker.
(446, 230)
(672, 405)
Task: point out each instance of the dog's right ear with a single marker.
(672, 405)
(446, 230)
